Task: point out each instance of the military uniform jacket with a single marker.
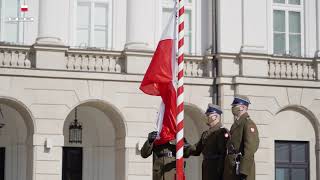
(212, 145)
(163, 166)
(245, 139)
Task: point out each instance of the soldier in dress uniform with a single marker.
(243, 143)
(212, 145)
(164, 157)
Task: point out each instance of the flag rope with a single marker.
(180, 94)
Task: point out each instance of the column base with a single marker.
(49, 41)
(253, 49)
(137, 46)
(49, 54)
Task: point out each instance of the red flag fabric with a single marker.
(24, 8)
(158, 81)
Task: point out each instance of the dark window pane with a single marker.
(282, 174)
(282, 152)
(279, 1)
(298, 174)
(298, 153)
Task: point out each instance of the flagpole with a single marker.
(180, 94)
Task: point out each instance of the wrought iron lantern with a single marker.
(75, 130)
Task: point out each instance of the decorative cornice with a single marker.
(276, 82)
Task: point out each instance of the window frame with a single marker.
(286, 7)
(20, 39)
(109, 24)
(293, 165)
(167, 4)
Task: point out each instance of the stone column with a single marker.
(318, 23)
(53, 22)
(49, 49)
(140, 35)
(317, 65)
(140, 24)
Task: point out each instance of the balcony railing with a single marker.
(198, 66)
(292, 69)
(15, 56)
(278, 67)
(98, 61)
(93, 60)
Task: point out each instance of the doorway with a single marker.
(2, 162)
(72, 163)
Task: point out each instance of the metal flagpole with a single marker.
(180, 93)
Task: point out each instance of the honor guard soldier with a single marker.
(243, 143)
(212, 145)
(164, 157)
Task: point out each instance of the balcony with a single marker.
(92, 60)
(15, 56)
(268, 66)
(136, 61)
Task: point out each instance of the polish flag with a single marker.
(159, 80)
(24, 8)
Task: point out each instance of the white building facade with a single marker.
(84, 59)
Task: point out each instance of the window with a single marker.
(287, 30)
(10, 29)
(93, 25)
(292, 160)
(188, 20)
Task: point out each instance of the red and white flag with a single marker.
(159, 80)
(24, 8)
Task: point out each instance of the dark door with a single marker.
(2, 162)
(72, 163)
